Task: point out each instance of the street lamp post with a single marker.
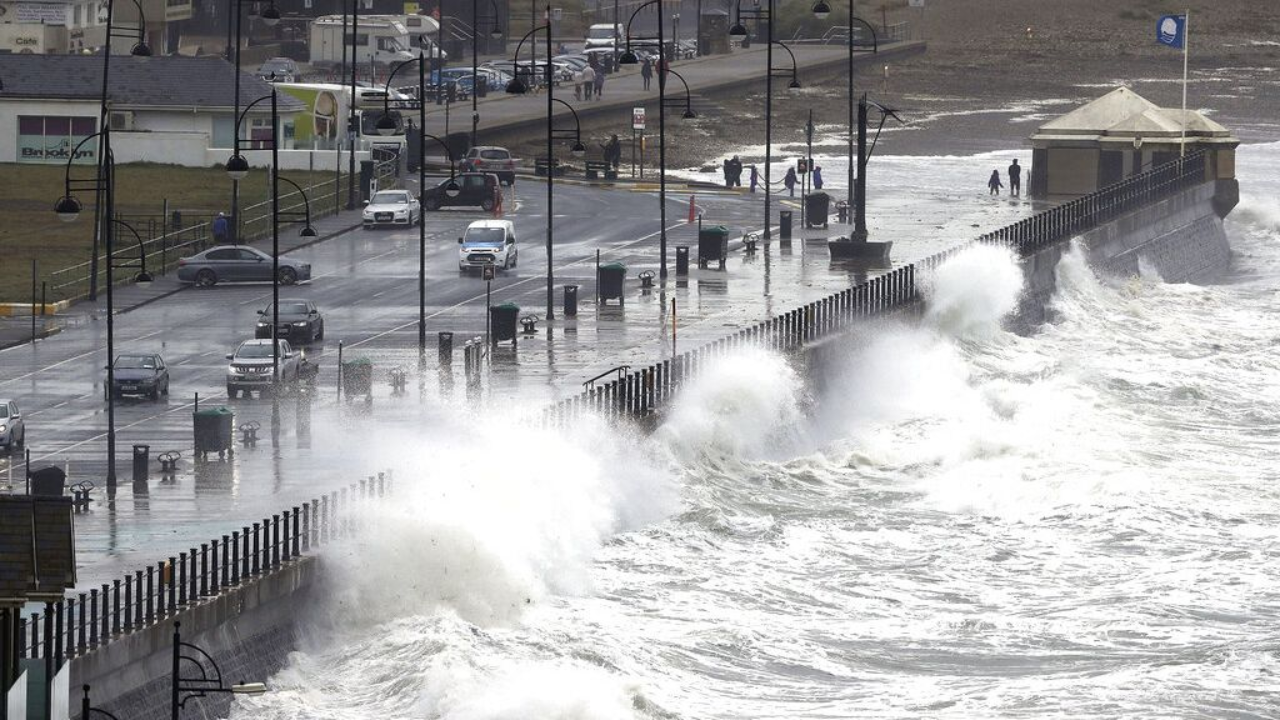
(495, 32)
(208, 681)
(516, 86)
(821, 10)
(387, 126)
(103, 185)
(629, 58)
(270, 16)
(86, 709)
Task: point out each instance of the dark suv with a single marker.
(477, 189)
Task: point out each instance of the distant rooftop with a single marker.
(206, 83)
(1123, 115)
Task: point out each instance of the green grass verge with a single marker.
(31, 231)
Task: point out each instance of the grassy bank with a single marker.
(31, 230)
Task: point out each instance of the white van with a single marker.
(605, 35)
(379, 40)
(488, 242)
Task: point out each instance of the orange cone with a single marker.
(693, 210)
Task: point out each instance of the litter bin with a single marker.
(570, 300)
(784, 224)
(817, 206)
(502, 322)
(48, 481)
(610, 282)
(213, 430)
(713, 244)
(842, 212)
(445, 339)
(682, 259)
(141, 462)
(357, 377)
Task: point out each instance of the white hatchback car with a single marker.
(488, 242)
(392, 207)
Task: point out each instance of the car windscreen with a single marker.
(254, 351)
(135, 362)
(389, 198)
(603, 33)
(4, 410)
(485, 236)
(288, 308)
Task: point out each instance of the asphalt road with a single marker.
(365, 283)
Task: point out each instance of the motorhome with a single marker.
(382, 40)
(422, 31)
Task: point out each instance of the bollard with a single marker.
(398, 380)
(749, 242)
(530, 324)
(646, 280)
(682, 259)
(169, 462)
(141, 463)
(570, 300)
(444, 340)
(249, 433)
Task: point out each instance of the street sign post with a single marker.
(637, 118)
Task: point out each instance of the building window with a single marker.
(307, 4)
(76, 15)
(52, 138)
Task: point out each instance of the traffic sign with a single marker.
(802, 166)
(487, 272)
(637, 118)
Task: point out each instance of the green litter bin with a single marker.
(502, 322)
(610, 281)
(214, 430)
(713, 245)
(357, 377)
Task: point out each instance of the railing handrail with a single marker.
(638, 393)
(161, 590)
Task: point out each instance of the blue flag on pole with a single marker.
(1171, 30)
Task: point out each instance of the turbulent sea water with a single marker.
(962, 523)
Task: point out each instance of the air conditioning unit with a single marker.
(122, 120)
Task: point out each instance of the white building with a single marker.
(65, 26)
(175, 110)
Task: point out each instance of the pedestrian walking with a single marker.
(735, 172)
(613, 152)
(790, 181)
(728, 172)
(577, 85)
(599, 84)
(646, 73)
(588, 81)
(220, 228)
(817, 178)
(755, 178)
(994, 183)
(1015, 178)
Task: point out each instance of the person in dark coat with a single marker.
(646, 73)
(728, 172)
(220, 228)
(613, 152)
(790, 181)
(1015, 178)
(736, 167)
(755, 178)
(994, 183)
(817, 178)
(599, 84)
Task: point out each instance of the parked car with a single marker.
(577, 62)
(140, 374)
(300, 322)
(491, 159)
(477, 189)
(13, 431)
(391, 208)
(250, 368)
(279, 69)
(488, 242)
(238, 263)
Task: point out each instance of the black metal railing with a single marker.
(638, 393)
(80, 624)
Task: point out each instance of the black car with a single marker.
(140, 375)
(476, 189)
(300, 322)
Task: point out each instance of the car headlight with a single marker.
(300, 323)
(3, 428)
(231, 370)
(264, 324)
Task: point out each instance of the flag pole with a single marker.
(1186, 49)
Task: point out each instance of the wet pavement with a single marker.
(365, 282)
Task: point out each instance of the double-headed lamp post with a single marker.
(739, 30)
(237, 168)
(821, 10)
(269, 16)
(517, 87)
(208, 681)
(387, 125)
